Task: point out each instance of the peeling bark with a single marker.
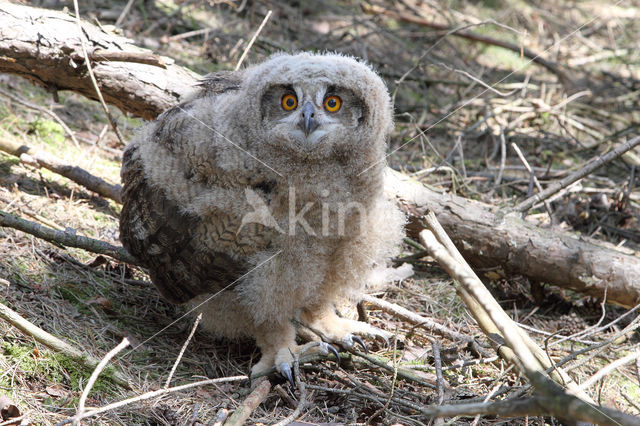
(44, 46)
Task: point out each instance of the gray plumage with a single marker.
(258, 185)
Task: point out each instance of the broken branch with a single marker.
(78, 175)
(66, 238)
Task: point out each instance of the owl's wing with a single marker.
(169, 241)
(220, 82)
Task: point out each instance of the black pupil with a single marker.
(290, 102)
(331, 103)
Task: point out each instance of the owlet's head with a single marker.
(317, 106)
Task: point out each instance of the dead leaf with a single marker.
(8, 409)
(413, 353)
(103, 302)
(57, 391)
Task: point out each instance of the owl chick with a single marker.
(260, 200)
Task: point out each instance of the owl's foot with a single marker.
(286, 357)
(283, 358)
(342, 331)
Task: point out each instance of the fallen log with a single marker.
(500, 241)
(44, 46)
(45, 49)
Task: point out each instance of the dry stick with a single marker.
(590, 167)
(74, 173)
(250, 403)
(609, 368)
(302, 400)
(220, 417)
(13, 421)
(486, 399)
(253, 39)
(401, 372)
(184, 347)
(437, 362)
(526, 165)
(456, 364)
(50, 113)
(94, 376)
(153, 394)
(58, 345)
(66, 238)
(486, 322)
(87, 63)
(124, 13)
(420, 321)
(100, 55)
(559, 403)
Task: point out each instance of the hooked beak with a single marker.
(307, 122)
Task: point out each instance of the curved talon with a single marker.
(386, 341)
(335, 352)
(285, 370)
(359, 341)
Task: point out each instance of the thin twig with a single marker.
(153, 394)
(401, 372)
(124, 13)
(253, 39)
(590, 167)
(526, 165)
(503, 158)
(184, 347)
(609, 368)
(420, 321)
(87, 63)
(94, 376)
(437, 362)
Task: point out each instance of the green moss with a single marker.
(33, 363)
(505, 58)
(79, 375)
(6, 162)
(49, 131)
(52, 368)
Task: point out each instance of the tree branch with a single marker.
(66, 238)
(589, 168)
(74, 173)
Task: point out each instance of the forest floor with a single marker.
(460, 104)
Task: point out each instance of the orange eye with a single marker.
(289, 102)
(332, 103)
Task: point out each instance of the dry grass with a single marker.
(557, 127)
